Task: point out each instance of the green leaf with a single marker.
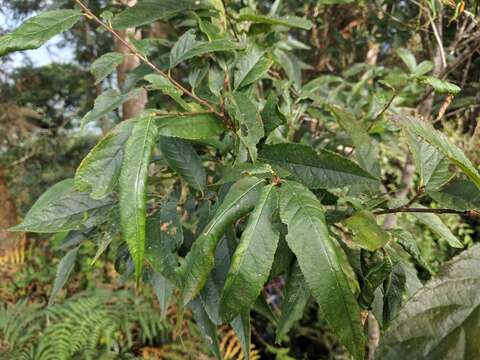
(437, 226)
(439, 141)
(188, 47)
(408, 58)
(408, 243)
(441, 320)
(99, 171)
(318, 257)
(325, 170)
(241, 326)
(271, 116)
(164, 291)
(294, 302)
(251, 66)
(164, 85)
(431, 164)
(184, 160)
(460, 195)
(289, 20)
(148, 11)
(133, 188)
(253, 257)
(423, 68)
(250, 125)
(61, 208)
(192, 127)
(64, 269)
(105, 65)
(440, 86)
(367, 233)
(241, 198)
(106, 102)
(208, 329)
(37, 30)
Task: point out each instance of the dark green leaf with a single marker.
(99, 171)
(367, 233)
(105, 65)
(241, 326)
(133, 188)
(61, 208)
(164, 291)
(318, 257)
(441, 320)
(324, 170)
(164, 85)
(294, 302)
(460, 195)
(270, 115)
(209, 330)
(409, 244)
(251, 66)
(192, 127)
(253, 257)
(241, 198)
(37, 30)
(289, 20)
(64, 269)
(183, 159)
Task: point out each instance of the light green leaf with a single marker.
(431, 164)
(325, 170)
(440, 86)
(294, 302)
(318, 257)
(437, 226)
(64, 269)
(37, 30)
(439, 141)
(106, 102)
(183, 159)
(246, 64)
(366, 231)
(164, 85)
(188, 47)
(193, 127)
(105, 65)
(164, 291)
(250, 125)
(133, 188)
(253, 257)
(241, 198)
(460, 195)
(208, 329)
(148, 11)
(61, 208)
(423, 68)
(289, 20)
(408, 58)
(99, 171)
(440, 322)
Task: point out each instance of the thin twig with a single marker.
(469, 213)
(142, 57)
(166, 113)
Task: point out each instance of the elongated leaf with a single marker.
(439, 141)
(200, 260)
(241, 326)
(438, 227)
(164, 291)
(246, 64)
(318, 257)
(408, 58)
(164, 85)
(289, 20)
(192, 127)
(105, 65)
(183, 159)
(99, 171)
(460, 195)
(249, 121)
(440, 321)
(325, 170)
(294, 302)
(367, 233)
(64, 269)
(61, 208)
(106, 102)
(133, 188)
(188, 47)
(431, 164)
(271, 116)
(37, 30)
(147, 11)
(209, 330)
(408, 243)
(253, 257)
(441, 86)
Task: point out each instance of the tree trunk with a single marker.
(132, 107)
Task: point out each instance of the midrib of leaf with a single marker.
(305, 207)
(220, 216)
(46, 29)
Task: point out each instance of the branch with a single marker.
(474, 214)
(142, 57)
